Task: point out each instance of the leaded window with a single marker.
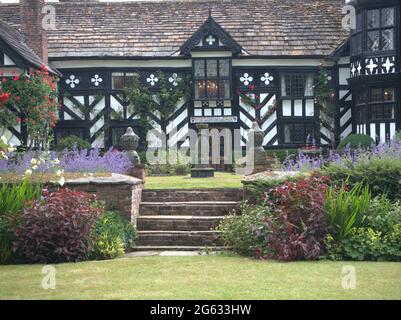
(356, 40)
(382, 103)
(297, 85)
(380, 25)
(121, 80)
(299, 133)
(212, 79)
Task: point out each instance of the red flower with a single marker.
(252, 87)
(43, 67)
(16, 78)
(4, 80)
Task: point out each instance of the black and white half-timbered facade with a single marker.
(248, 60)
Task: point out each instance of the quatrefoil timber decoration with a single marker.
(210, 33)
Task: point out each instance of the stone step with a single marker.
(178, 223)
(179, 248)
(178, 238)
(185, 195)
(187, 208)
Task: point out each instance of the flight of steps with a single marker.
(182, 219)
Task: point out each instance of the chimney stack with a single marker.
(31, 26)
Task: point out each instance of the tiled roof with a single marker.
(143, 29)
(16, 42)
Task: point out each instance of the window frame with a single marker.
(305, 124)
(217, 78)
(124, 78)
(381, 28)
(284, 75)
(382, 104)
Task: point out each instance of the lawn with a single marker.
(220, 180)
(202, 277)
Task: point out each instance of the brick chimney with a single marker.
(31, 26)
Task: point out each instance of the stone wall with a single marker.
(119, 192)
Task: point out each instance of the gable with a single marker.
(210, 36)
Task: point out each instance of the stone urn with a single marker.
(129, 142)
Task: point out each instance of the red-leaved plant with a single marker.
(57, 228)
(297, 228)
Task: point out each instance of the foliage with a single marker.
(73, 142)
(256, 189)
(13, 197)
(297, 228)
(87, 161)
(237, 229)
(35, 96)
(377, 238)
(145, 102)
(112, 236)
(6, 238)
(178, 169)
(282, 154)
(57, 228)
(325, 100)
(346, 209)
(381, 174)
(355, 141)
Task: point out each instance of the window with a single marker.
(121, 80)
(382, 103)
(380, 29)
(212, 79)
(297, 85)
(299, 133)
(356, 40)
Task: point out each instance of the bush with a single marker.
(381, 175)
(297, 228)
(237, 229)
(346, 209)
(112, 236)
(377, 238)
(256, 190)
(178, 169)
(73, 142)
(282, 154)
(57, 228)
(355, 141)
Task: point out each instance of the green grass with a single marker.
(202, 277)
(220, 180)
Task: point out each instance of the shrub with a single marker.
(256, 189)
(237, 229)
(72, 142)
(355, 141)
(381, 174)
(282, 154)
(377, 238)
(57, 228)
(6, 240)
(178, 169)
(383, 214)
(297, 228)
(346, 209)
(112, 236)
(369, 244)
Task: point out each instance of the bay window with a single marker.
(212, 79)
(380, 24)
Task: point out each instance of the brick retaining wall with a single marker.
(119, 192)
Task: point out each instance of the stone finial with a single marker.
(129, 142)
